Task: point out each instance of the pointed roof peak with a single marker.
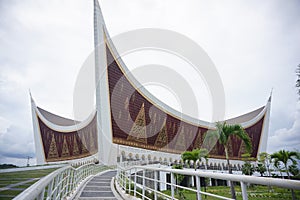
(96, 3)
(31, 99)
(98, 13)
(30, 95)
(270, 98)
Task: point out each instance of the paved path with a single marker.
(98, 188)
(10, 187)
(30, 168)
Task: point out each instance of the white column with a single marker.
(172, 185)
(244, 191)
(163, 179)
(39, 150)
(198, 185)
(265, 131)
(107, 151)
(192, 181)
(228, 183)
(155, 184)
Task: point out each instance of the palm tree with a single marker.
(191, 155)
(264, 163)
(261, 168)
(265, 159)
(223, 132)
(195, 155)
(248, 168)
(294, 170)
(286, 157)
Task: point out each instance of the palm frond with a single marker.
(283, 156)
(226, 130)
(210, 139)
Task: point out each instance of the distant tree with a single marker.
(248, 168)
(278, 167)
(195, 155)
(264, 163)
(286, 157)
(223, 132)
(265, 159)
(191, 155)
(7, 166)
(261, 168)
(294, 170)
(298, 79)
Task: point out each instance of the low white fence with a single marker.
(60, 184)
(128, 176)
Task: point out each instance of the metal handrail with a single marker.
(59, 184)
(125, 174)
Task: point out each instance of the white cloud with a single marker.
(16, 142)
(287, 138)
(4, 124)
(255, 46)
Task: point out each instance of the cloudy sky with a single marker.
(254, 45)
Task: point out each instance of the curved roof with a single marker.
(246, 117)
(56, 119)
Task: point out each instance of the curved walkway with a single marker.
(99, 188)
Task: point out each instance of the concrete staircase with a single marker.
(99, 188)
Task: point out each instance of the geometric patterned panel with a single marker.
(138, 122)
(61, 146)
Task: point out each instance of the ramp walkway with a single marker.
(99, 188)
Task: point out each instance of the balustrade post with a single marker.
(60, 184)
(124, 180)
(87, 169)
(143, 197)
(57, 179)
(172, 184)
(244, 190)
(49, 190)
(68, 182)
(155, 184)
(119, 176)
(135, 182)
(129, 181)
(41, 195)
(121, 180)
(74, 179)
(198, 185)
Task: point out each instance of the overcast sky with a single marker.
(254, 45)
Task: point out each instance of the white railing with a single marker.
(127, 178)
(61, 183)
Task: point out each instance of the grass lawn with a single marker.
(21, 176)
(17, 177)
(254, 193)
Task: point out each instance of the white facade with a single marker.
(107, 151)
